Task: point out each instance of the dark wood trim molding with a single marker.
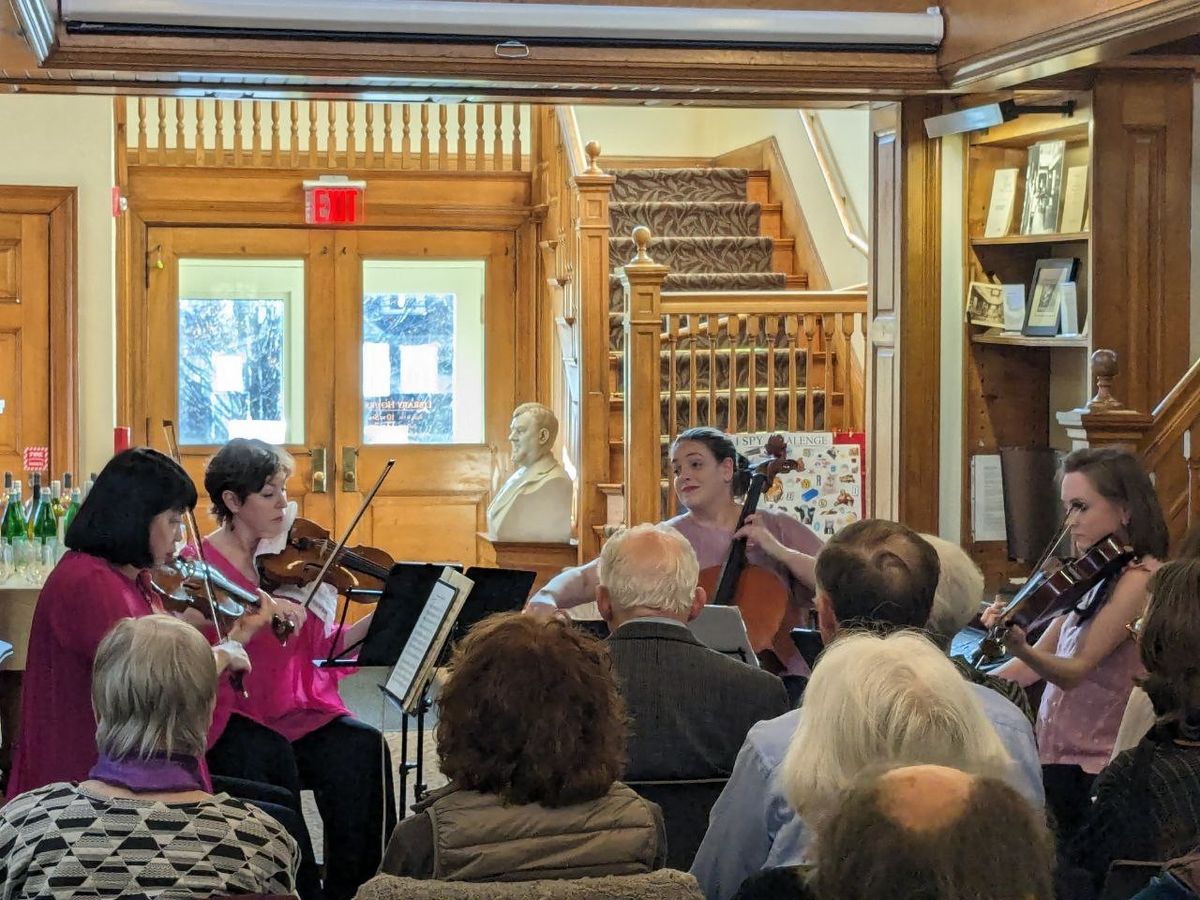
(920, 315)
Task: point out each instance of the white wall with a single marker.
(950, 436)
(673, 131)
(68, 142)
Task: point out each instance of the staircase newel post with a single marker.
(593, 188)
(1105, 421)
(642, 280)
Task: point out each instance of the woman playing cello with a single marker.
(707, 480)
(1086, 657)
(128, 526)
(292, 728)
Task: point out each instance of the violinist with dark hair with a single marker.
(291, 728)
(1086, 656)
(128, 526)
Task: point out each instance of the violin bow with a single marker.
(190, 525)
(341, 544)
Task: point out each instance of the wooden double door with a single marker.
(348, 348)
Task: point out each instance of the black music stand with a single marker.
(495, 591)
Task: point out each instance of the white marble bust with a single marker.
(534, 504)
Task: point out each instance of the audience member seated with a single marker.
(143, 824)
(1147, 803)
(531, 734)
(922, 832)
(690, 707)
(955, 604)
(873, 574)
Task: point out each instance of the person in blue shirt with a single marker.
(873, 574)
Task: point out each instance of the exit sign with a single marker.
(333, 201)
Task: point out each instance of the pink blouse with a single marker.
(82, 599)
(286, 691)
(1079, 726)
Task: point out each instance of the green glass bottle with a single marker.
(72, 510)
(14, 530)
(45, 525)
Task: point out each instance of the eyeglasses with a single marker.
(1136, 628)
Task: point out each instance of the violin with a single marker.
(308, 547)
(763, 599)
(1048, 593)
(185, 584)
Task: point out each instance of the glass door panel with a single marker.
(422, 351)
(241, 350)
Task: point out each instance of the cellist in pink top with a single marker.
(292, 728)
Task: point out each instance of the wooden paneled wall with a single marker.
(1141, 224)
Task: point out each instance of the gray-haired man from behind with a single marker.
(690, 706)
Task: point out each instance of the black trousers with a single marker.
(1068, 798)
(349, 770)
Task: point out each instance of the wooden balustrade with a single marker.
(324, 134)
(738, 361)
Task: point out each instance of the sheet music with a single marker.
(412, 669)
(987, 499)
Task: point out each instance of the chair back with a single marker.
(1128, 876)
(685, 807)
(664, 884)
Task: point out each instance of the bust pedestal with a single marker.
(547, 559)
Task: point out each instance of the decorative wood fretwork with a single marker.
(342, 134)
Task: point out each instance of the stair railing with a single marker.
(670, 339)
(1164, 438)
(574, 193)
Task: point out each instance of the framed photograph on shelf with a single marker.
(1045, 296)
(985, 304)
(1043, 187)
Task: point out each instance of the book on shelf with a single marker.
(1074, 199)
(1043, 187)
(1000, 206)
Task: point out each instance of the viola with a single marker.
(308, 547)
(186, 584)
(1050, 592)
(762, 598)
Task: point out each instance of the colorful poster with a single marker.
(827, 489)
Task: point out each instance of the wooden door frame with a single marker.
(60, 205)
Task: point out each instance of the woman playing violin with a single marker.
(128, 525)
(292, 728)
(707, 479)
(1086, 656)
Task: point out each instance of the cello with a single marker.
(758, 593)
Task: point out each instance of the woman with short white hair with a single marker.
(894, 700)
(143, 823)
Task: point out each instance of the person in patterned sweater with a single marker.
(142, 823)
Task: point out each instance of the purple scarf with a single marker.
(158, 774)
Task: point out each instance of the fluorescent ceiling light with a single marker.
(37, 26)
(522, 21)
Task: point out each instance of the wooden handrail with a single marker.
(1174, 416)
(835, 194)
(568, 128)
(763, 302)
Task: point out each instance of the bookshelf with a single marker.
(1014, 383)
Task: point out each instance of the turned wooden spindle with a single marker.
(1104, 369)
(641, 237)
(593, 154)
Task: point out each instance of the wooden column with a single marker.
(904, 312)
(1141, 226)
(591, 232)
(642, 280)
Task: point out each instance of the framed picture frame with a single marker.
(1043, 188)
(1045, 296)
